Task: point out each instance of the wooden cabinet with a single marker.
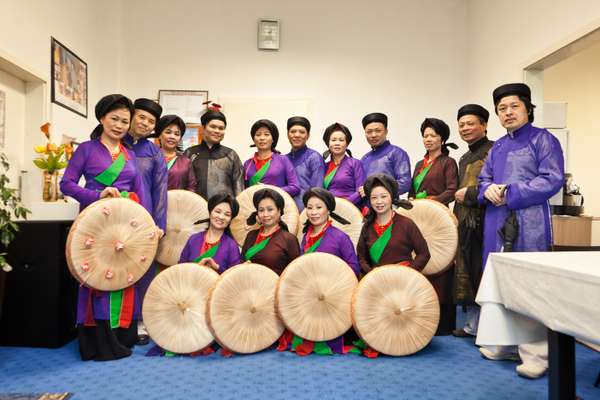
(581, 231)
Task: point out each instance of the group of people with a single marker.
(513, 177)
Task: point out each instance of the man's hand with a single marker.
(459, 196)
(495, 194)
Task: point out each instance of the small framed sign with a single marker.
(268, 34)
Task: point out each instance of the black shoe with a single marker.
(143, 340)
(460, 333)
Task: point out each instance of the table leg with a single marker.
(561, 374)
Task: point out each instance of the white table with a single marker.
(526, 296)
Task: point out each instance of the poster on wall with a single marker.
(69, 79)
(188, 104)
(2, 116)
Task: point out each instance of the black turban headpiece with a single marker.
(107, 104)
(337, 127)
(511, 89)
(298, 121)
(473, 109)
(442, 129)
(265, 123)
(209, 115)
(150, 106)
(375, 117)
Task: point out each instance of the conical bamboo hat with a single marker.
(241, 309)
(347, 210)
(314, 295)
(111, 244)
(238, 226)
(185, 208)
(439, 227)
(395, 310)
(174, 307)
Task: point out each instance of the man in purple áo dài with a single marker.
(106, 332)
(523, 170)
(215, 247)
(151, 165)
(384, 157)
(344, 175)
(170, 130)
(268, 166)
(217, 168)
(307, 162)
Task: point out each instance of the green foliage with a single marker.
(10, 208)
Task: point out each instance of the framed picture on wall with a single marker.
(192, 135)
(188, 104)
(69, 79)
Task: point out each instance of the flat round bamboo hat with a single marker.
(111, 244)
(185, 208)
(238, 226)
(347, 210)
(241, 309)
(314, 295)
(439, 227)
(395, 310)
(174, 307)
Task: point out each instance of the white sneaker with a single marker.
(531, 371)
(498, 355)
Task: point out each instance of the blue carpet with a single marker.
(449, 368)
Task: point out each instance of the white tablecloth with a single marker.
(523, 293)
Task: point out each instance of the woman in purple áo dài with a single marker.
(307, 162)
(268, 166)
(109, 170)
(344, 175)
(214, 248)
(321, 236)
(170, 130)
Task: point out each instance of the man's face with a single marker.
(143, 123)
(470, 128)
(512, 113)
(297, 135)
(376, 133)
(214, 131)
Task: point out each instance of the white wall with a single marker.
(576, 81)
(90, 29)
(14, 90)
(342, 58)
(505, 35)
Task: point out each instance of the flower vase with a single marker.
(50, 188)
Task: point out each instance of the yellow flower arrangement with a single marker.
(53, 158)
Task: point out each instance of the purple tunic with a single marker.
(228, 254)
(181, 174)
(391, 160)
(530, 162)
(90, 159)
(348, 178)
(336, 242)
(152, 167)
(310, 169)
(281, 174)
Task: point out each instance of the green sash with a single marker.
(170, 163)
(208, 253)
(257, 177)
(110, 174)
(419, 180)
(376, 250)
(314, 246)
(329, 177)
(252, 251)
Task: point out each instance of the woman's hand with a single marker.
(110, 192)
(209, 262)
